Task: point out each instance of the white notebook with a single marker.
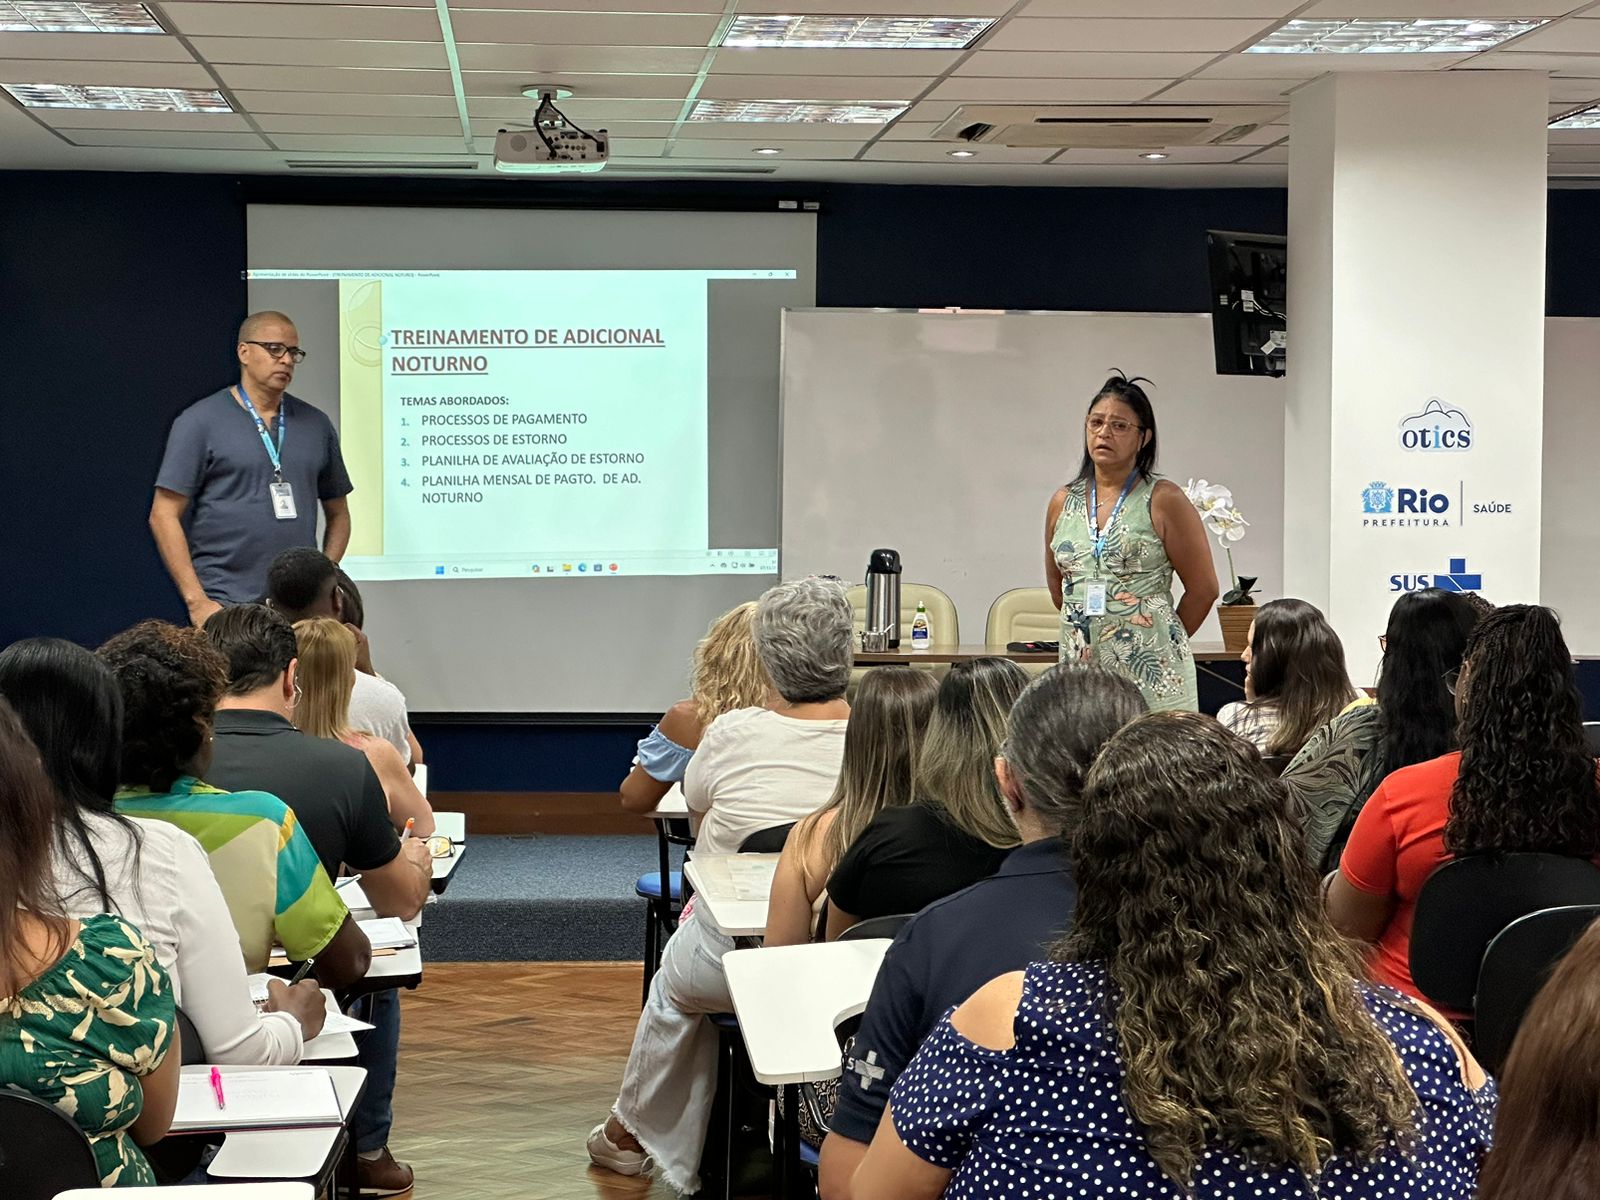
(388, 933)
(285, 1098)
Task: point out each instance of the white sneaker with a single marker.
(606, 1153)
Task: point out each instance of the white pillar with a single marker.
(1412, 440)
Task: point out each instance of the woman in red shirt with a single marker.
(1524, 779)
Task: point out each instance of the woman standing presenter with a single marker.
(1114, 536)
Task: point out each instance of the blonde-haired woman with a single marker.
(327, 672)
(887, 723)
(726, 676)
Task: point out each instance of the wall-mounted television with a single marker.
(1249, 294)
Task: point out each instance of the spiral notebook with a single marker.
(286, 1098)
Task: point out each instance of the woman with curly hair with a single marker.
(1295, 680)
(1524, 779)
(1201, 1033)
(726, 676)
(276, 889)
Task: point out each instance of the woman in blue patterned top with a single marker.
(1201, 1033)
(727, 675)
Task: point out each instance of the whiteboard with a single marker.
(943, 435)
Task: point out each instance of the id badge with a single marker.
(1094, 599)
(283, 508)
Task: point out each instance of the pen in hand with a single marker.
(411, 823)
(305, 969)
(216, 1088)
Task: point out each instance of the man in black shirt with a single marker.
(337, 799)
(999, 924)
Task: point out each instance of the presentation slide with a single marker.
(528, 423)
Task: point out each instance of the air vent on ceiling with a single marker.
(1104, 127)
(314, 164)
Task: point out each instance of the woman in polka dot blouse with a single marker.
(1201, 1033)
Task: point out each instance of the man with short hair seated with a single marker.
(303, 583)
(338, 801)
(999, 924)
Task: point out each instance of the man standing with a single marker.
(236, 487)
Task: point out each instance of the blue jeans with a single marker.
(377, 1050)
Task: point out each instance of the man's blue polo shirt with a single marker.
(945, 953)
(216, 458)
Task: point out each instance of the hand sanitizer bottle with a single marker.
(921, 631)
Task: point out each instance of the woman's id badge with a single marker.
(1094, 599)
(283, 509)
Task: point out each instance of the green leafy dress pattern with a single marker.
(1140, 635)
(80, 1034)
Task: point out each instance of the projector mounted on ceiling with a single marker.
(1105, 127)
(554, 146)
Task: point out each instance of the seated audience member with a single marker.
(1201, 1032)
(86, 1013)
(339, 803)
(1414, 720)
(334, 793)
(1295, 680)
(726, 675)
(303, 583)
(277, 891)
(327, 665)
(1546, 1137)
(375, 702)
(1524, 779)
(956, 945)
(755, 769)
(887, 720)
(150, 873)
(955, 831)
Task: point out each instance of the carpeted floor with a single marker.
(542, 899)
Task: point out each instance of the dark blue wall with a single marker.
(121, 294)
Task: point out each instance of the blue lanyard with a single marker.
(275, 453)
(1094, 511)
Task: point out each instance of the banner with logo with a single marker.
(1433, 493)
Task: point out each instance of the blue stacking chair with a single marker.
(662, 891)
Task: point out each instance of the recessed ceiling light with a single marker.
(855, 33)
(768, 150)
(1584, 118)
(814, 112)
(962, 153)
(51, 16)
(1153, 155)
(144, 99)
(1429, 36)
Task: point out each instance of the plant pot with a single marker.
(1235, 621)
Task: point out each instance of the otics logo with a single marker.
(1438, 427)
(1456, 579)
(1385, 506)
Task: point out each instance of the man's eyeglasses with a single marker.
(279, 350)
(1115, 425)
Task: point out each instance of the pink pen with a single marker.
(216, 1088)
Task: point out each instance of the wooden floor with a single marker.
(504, 1069)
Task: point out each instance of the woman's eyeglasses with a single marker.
(440, 846)
(1114, 425)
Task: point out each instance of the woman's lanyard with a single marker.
(1094, 512)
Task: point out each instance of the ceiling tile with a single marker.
(1028, 64)
(735, 60)
(1577, 36)
(809, 87)
(581, 29)
(1576, 153)
(321, 52)
(1400, 9)
(791, 131)
(1131, 34)
(358, 125)
(934, 111)
(585, 112)
(1202, 90)
(243, 18)
(373, 143)
(85, 118)
(619, 130)
(1047, 91)
(909, 8)
(1558, 64)
(110, 47)
(910, 131)
(587, 86)
(1176, 156)
(336, 79)
(939, 152)
(346, 103)
(703, 7)
(1309, 66)
(176, 139)
(1161, 8)
(127, 74)
(724, 148)
(538, 61)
